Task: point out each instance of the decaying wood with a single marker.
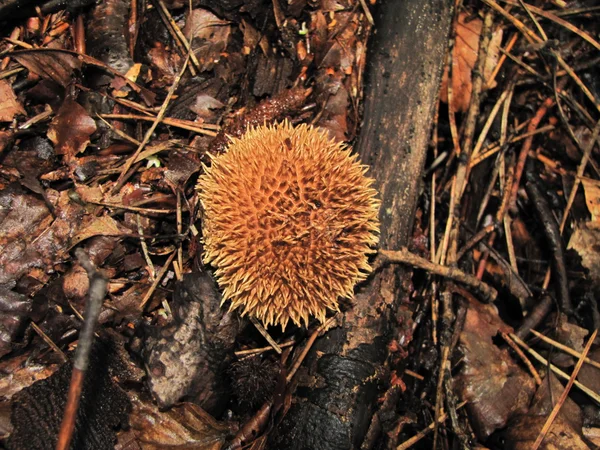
(407, 53)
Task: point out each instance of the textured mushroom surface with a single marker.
(289, 221)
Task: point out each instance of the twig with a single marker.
(179, 36)
(259, 350)
(552, 232)
(49, 341)
(580, 171)
(535, 316)
(206, 129)
(298, 362)
(96, 294)
(265, 334)
(565, 349)
(403, 256)
(421, 434)
(161, 274)
(563, 23)
(593, 395)
(122, 178)
(564, 394)
(529, 35)
(519, 352)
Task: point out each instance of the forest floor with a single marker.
(109, 113)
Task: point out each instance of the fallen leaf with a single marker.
(56, 66)
(495, 387)
(9, 105)
(186, 426)
(210, 36)
(586, 242)
(592, 200)
(464, 58)
(71, 129)
(15, 310)
(99, 226)
(46, 245)
(523, 431)
(204, 104)
(20, 372)
(547, 396)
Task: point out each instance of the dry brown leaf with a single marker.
(100, 226)
(56, 66)
(71, 129)
(464, 58)
(522, 433)
(210, 36)
(494, 386)
(9, 105)
(592, 200)
(20, 372)
(585, 241)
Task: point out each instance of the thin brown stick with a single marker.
(161, 274)
(97, 292)
(421, 434)
(403, 256)
(259, 350)
(122, 178)
(261, 329)
(580, 171)
(563, 23)
(529, 35)
(179, 37)
(49, 341)
(590, 393)
(309, 343)
(564, 348)
(206, 129)
(564, 394)
(68, 424)
(519, 352)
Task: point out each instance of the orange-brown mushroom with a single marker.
(289, 221)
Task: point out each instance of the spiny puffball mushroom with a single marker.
(289, 220)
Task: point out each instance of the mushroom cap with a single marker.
(289, 221)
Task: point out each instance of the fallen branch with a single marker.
(403, 256)
(97, 292)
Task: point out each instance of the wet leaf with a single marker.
(495, 387)
(55, 66)
(46, 245)
(14, 316)
(71, 129)
(186, 426)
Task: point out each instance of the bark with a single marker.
(335, 401)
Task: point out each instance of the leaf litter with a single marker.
(519, 105)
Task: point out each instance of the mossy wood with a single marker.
(333, 409)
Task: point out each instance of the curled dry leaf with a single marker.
(9, 105)
(464, 57)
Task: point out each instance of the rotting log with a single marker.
(336, 399)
